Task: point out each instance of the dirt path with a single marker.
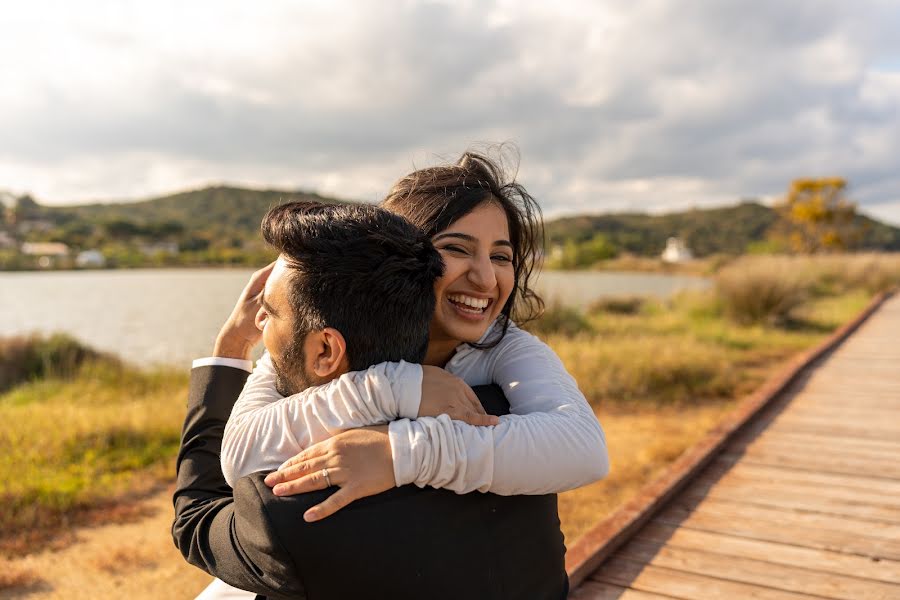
(134, 560)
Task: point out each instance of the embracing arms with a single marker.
(552, 441)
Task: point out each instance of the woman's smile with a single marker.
(470, 307)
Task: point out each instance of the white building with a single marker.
(676, 251)
(89, 259)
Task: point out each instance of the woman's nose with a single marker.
(481, 273)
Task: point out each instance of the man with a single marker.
(345, 272)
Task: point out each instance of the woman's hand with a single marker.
(446, 394)
(358, 461)
(239, 333)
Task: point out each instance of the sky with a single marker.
(631, 105)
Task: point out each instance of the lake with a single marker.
(171, 316)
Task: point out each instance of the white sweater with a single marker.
(551, 441)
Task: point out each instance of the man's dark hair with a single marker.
(362, 270)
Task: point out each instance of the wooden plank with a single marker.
(599, 543)
(793, 499)
(829, 441)
(830, 428)
(884, 487)
(750, 481)
(873, 465)
(682, 584)
(758, 572)
(885, 570)
(807, 529)
(779, 445)
(878, 416)
(874, 430)
(824, 463)
(595, 590)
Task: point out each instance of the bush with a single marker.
(761, 291)
(559, 319)
(619, 305)
(34, 357)
(671, 369)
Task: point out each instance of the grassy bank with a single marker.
(82, 438)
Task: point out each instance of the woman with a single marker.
(487, 231)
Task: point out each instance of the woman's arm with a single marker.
(265, 429)
(551, 442)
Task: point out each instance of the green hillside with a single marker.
(728, 230)
(226, 210)
(220, 226)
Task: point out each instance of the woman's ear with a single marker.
(331, 359)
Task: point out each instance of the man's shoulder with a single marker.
(434, 534)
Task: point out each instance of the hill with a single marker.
(220, 225)
(727, 230)
(223, 209)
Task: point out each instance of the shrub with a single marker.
(619, 305)
(27, 358)
(761, 291)
(560, 319)
(656, 369)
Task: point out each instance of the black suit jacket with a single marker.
(404, 543)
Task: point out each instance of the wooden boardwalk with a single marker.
(803, 502)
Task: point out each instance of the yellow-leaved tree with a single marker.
(816, 216)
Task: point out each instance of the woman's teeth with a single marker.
(473, 305)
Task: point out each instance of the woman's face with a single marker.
(478, 274)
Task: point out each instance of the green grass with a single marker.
(687, 350)
(66, 444)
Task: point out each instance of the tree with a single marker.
(816, 216)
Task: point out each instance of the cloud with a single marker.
(617, 105)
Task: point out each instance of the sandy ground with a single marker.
(133, 560)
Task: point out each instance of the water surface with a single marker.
(173, 315)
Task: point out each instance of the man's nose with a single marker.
(481, 273)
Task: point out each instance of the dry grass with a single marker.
(69, 445)
(642, 443)
(125, 559)
(15, 578)
(769, 289)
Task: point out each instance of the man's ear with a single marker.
(330, 359)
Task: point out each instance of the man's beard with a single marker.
(290, 371)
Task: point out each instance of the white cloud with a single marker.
(614, 105)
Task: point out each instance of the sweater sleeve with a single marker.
(266, 429)
(551, 441)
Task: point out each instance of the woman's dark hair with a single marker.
(436, 197)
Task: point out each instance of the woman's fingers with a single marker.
(480, 420)
(315, 480)
(332, 504)
(313, 451)
(296, 470)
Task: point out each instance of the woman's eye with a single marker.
(456, 249)
(501, 258)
